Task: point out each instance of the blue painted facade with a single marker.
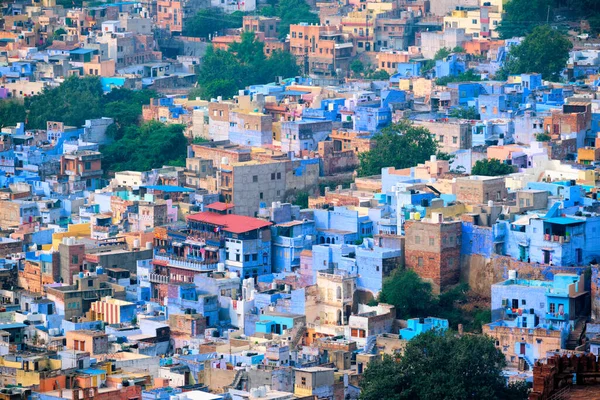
(416, 326)
(341, 225)
(450, 66)
(372, 119)
(274, 323)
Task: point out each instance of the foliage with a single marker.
(543, 51)
(57, 33)
(144, 147)
(401, 289)
(522, 16)
(442, 53)
(223, 73)
(464, 113)
(379, 75)
(301, 199)
(209, 21)
(444, 156)
(11, 112)
(467, 76)
(400, 145)
(199, 140)
(439, 365)
(74, 101)
(291, 12)
(594, 22)
(542, 137)
(357, 67)
(491, 167)
(458, 49)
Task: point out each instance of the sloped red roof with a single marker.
(220, 206)
(230, 222)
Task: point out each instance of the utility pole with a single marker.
(548, 16)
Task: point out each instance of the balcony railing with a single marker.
(188, 264)
(157, 278)
(556, 238)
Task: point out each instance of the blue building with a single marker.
(450, 66)
(416, 326)
(185, 296)
(277, 323)
(288, 240)
(341, 225)
(372, 119)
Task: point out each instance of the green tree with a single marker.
(522, 16)
(11, 112)
(400, 145)
(58, 33)
(74, 101)
(400, 290)
(290, 12)
(379, 75)
(543, 51)
(150, 145)
(209, 21)
(464, 113)
(442, 53)
(280, 63)
(357, 67)
(441, 365)
(491, 167)
(542, 137)
(467, 76)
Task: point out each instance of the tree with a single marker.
(401, 289)
(543, 51)
(209, 21)
(441, 54)
(542, 137)
(491, 167)
(441, 365)
(357, 67)
(281, 63)
(11, 112)
(522, 16)
(74, 101)
(290, 12)
(144, 147)
(58, 33)
(379, 75)
(467, 76)
(464, 113)
(400, 145)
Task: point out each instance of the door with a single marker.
(522, 348)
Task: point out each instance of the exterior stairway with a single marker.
(370, 345)
(574, 338)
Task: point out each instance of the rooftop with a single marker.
(229, 222)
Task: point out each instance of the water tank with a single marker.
(411, 216)
(274, 204)
(221, 267)
(233, 275)
(417, 216)
(136, 243)
(288, 288)
(65, 240)
(81, 274)
(490, 203)
(148, 245)
(224, 160)
(512, 274)
(273, 285)
(99, 271)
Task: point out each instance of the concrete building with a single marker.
(480, 189)
(450, 135)
(433, 250)
(113, 311)
(314, 381)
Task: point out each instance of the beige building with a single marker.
(451, 135)
(480, 189)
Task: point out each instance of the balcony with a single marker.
(186, 263)
(556, 238)
(157, 278)
(557, 316)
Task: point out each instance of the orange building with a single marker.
(388, 61)
(321, 50)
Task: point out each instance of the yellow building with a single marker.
(481, 22)
(73, 231)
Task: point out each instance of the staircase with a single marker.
(237, 379)
(298, 336)
(575, 335)
(528, 362)
(370, 345)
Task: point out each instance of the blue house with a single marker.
(416, 326)
(372, 119)
(450, 66)
(274, 322)
(407, 70)
(341, 225)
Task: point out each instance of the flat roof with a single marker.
(230, 222)
(564, 221)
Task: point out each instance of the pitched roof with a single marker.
(220, 206)
(230, 222)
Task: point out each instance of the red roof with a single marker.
(230, 222)
(220, 206)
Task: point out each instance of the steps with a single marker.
(370, 345)
(575, 335)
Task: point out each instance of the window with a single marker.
(454, 139)
(552, 308)
(431, 241)
(246, 257)
(420, 261)
(255, 178)
(254, 257)
(441, 138)
(474, 22)
(279, 175)
(523, 302)
(261, 195)
(237, 257)
(303, 382)
(273, 176)
(90, 282)
(74, 259)
(417, 239)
